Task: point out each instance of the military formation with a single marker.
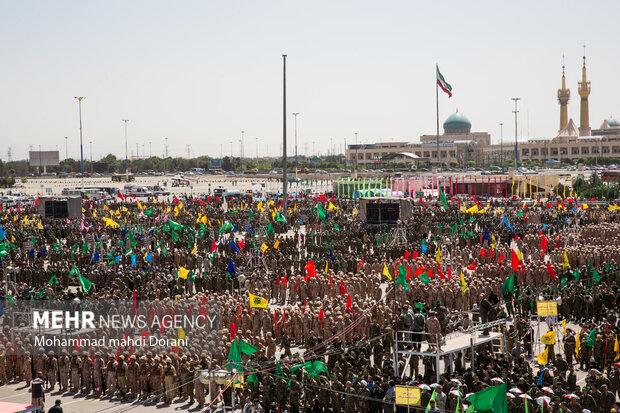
(339, 292)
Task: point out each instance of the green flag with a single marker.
(595, 275)
(280, 217)
(591, 338)
(433, 397)
(246, 348)
(74, 271)
(227, 226)
(321, 212)
(509, 285)
(85, 283)
(252, 379)
(148, 212)
(175, 225)
(442, 198)
(420, 306)
(234, 360)
(576, 274)
(53, 280)
(401, 279)
(491, 400)
(425, 278)
(270, 228)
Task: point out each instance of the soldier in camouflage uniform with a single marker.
(76, 369)
(63, 368)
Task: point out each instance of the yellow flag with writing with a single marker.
(543, 358)
(264, 247)
(386, 272)
(548, 338)
(258, 302)
(183, 273)
(565, 263)
(577, 343)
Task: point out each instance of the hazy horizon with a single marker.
(199, 73)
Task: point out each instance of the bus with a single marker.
(610, 176)
(94, 194)
(123, 178)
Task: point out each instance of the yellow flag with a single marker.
(472, 210)
(94, 213)
(139, 205)
(463, 284)
(438, 257)
(180, 333)
(194, 250)
(176, 211)
(386, 272)
(204, 219)
(183, 273)
(331, 206)
(616, 348)
(565, 263)
(326, 267)
(577, 343)
(543, 358)
(564, 326)
(276, 244)
(493, 241)
(109, 222)
(264, 247)
(548, 338)
(39, 225)
(260, 206)
(257, 302)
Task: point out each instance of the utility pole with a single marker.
(166, 155)
(516, 100)
(257, 151)
(296, 163)
(79, 99)
(126, 154)
(501, 145)
(345, 153)
(284, 177)
(66, 148)
(91, 156)
(356, 152)
(242, 147)
(150, 149)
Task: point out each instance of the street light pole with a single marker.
(356, 153)
(79, 99)
(91, 156)
(501, 145)
(516, 100)
(296, 163)
(284, 177)
(66, 148)
(126, 157)
(242, 147)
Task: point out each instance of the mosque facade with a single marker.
(458, 145)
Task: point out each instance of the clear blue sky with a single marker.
(200, 72)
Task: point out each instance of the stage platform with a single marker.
(453, 343)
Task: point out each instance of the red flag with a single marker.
(240, 244)
(331, 282)
(343, 291)
(557, 245)
(501, 257)
(515, 261)
(407, 254)
(284, 281)
(296, 284)
(483, 252)
(321, 315)
(592, 199)
(323, 199)
(349, 307)
(310, 269)
(409, 273)
(550, 270)
(118, 194)
(450, 273)
(419, 271)
(360, 264)
(135, 301)
(472, 266)
(441, 274)
(213, 246)
(543, 245)
(233, 330)
(415, 255)
(144, 335)
(175, 200)
(430, 272)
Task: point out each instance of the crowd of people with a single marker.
(333, 294)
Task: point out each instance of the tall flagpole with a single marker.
(437, 103)
(284, 177)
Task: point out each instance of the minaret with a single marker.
(584, 92)
(563, 97)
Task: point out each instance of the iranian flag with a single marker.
(445, 86)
